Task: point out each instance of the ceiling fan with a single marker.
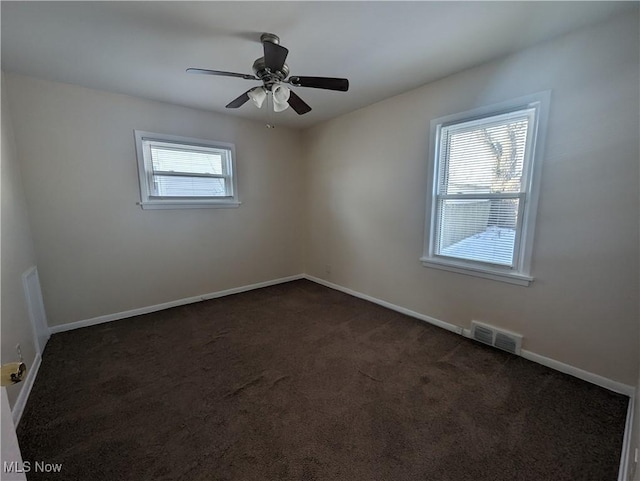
(272, 70)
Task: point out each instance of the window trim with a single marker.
(145, 174)
(520, 274)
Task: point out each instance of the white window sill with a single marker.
(486, 273)
(189, 204)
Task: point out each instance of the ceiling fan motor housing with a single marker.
(270, 37)
(266, 75)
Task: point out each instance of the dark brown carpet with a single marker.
(300, 382)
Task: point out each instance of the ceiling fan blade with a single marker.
(328, 83)
(240, 101)
(274, 56)
(297, 104)
(222, 73)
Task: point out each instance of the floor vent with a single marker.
(505, 340)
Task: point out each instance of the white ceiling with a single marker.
(383, 48)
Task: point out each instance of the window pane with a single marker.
(481, 159)
(480, 229)
(173, 186)
(189, 161)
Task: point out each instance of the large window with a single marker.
(485, 169)
(180, 172)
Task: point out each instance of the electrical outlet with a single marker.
(19, 351)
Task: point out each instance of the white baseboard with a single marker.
(166, 305)
(623, 472)
(596, 379)
(21, 402)
(431, 320)
(545, 361)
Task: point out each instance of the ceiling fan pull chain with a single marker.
(270, 124)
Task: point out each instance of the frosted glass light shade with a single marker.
(257, 96)
(280, 98)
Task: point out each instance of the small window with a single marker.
(482, 208)
(180, 172)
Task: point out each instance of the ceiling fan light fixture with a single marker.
(258, 96)
(271, 69)
(280, 98)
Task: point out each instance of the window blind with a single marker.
(187, 171)
(480, 188)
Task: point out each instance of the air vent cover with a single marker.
(505, 340)
(483, 334)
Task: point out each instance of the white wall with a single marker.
(98, 252)
(17, 253)
(367, 178)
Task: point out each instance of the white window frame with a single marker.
(145, 173)
(520, 273)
